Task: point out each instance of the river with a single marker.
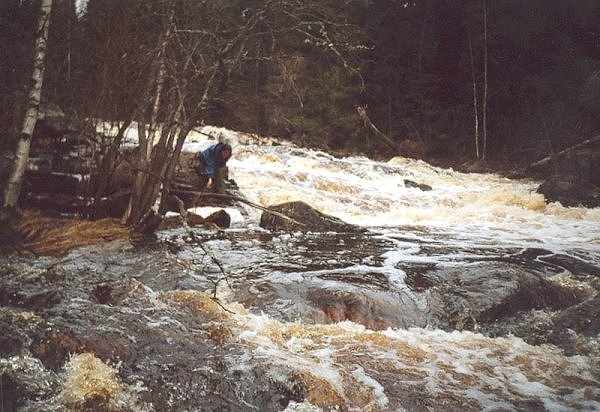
(452, 299)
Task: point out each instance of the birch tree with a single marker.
(485, 78)
(15, 178)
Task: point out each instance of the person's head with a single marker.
(225, 152)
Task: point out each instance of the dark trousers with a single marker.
(218, 186)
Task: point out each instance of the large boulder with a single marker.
(487, 292)
(583, 318)
(570, 190)
(571, 178)
(305, 219)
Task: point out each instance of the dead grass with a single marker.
(198, 302)
(90, 381)
(57, 236)
(319, 391)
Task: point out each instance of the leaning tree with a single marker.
(12, 188)
(201, 45)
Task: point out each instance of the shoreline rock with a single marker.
(311, 219)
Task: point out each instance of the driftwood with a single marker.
(548, 159)
(362, 113)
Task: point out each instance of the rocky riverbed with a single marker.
(474, 295)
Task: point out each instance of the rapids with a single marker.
(466, 220)
(452, 300)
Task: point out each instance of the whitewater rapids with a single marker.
(345, 364)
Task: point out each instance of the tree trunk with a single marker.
(475, 103)
(485, 78)
(147, 126)
(13, 186)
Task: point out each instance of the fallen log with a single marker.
(362, 113)
(548, 159)
(239, 199)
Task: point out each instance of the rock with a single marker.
(570, 191)
(311, 220)
(29, 298)
(577, 267)
(583, 318)
(23, 378)
(412, 184)
(475, 166)
(578, 181)
(219, 218)
(487, 292)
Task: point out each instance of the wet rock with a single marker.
(55, 345)
(171, 222)
(366, 309)
(566, 339)
(421, 186)
(569, 190)
(10, 393)
(574, 265)
(103, 293)
(12, 339)
(28, 297)
(417, 277)
(490, 291)
(583, 318)
(310, 219)
(22, 379)
(534, 327)
(219, 218)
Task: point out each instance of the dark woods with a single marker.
(520, 78)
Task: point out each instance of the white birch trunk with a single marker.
(15, 179)
(485, 79)
(475, 103)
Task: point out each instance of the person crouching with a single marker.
(212, 168)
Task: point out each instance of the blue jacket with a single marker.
(211, 160)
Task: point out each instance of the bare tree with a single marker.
(200, 46)
(14, 182)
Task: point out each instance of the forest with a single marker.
(417, 66)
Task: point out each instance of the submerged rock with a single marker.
(308, 219)
(486, 292)
(421, 186)
(583, 318)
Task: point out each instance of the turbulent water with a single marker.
(463, 222)
(419, 313)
